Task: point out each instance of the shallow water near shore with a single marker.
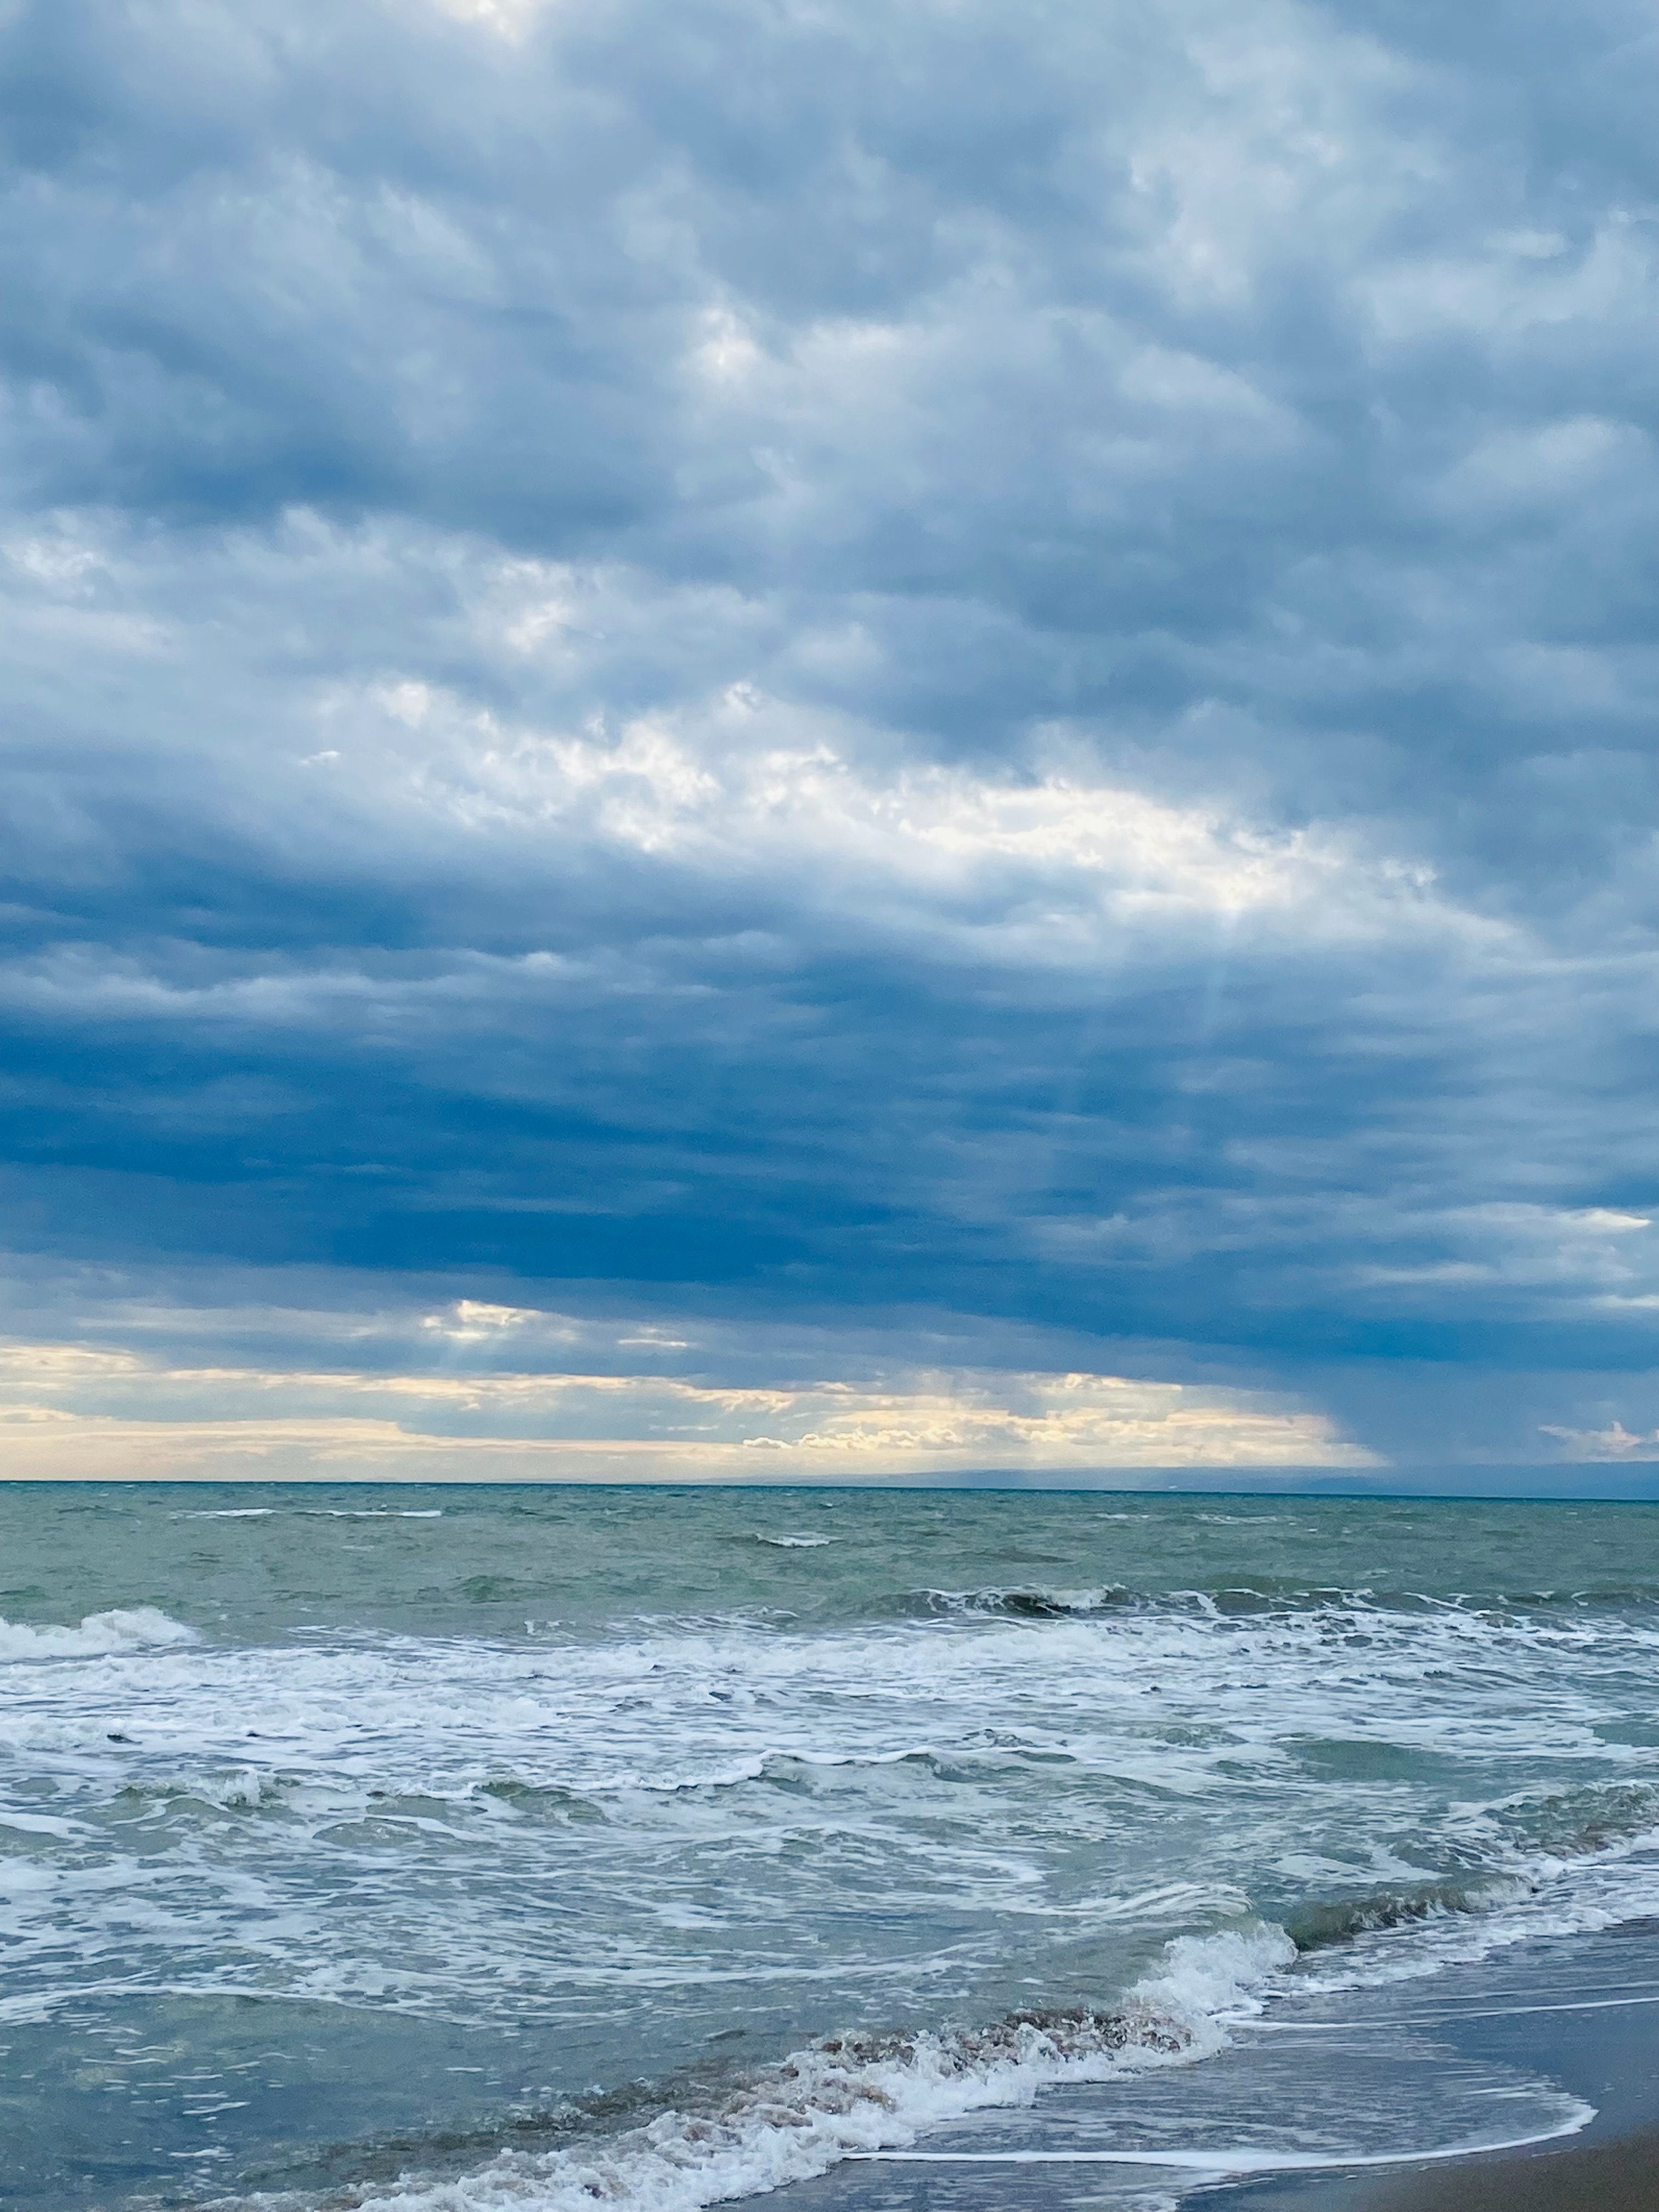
(522, 1847)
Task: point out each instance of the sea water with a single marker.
(520, 1848)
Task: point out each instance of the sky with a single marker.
(829, 740)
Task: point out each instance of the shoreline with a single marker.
(1571, 2020)
(1602, 2046)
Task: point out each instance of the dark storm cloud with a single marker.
(855, 660)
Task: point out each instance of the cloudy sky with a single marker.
(847, 739)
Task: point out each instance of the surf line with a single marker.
(1451, 2012)
(1223, 2161)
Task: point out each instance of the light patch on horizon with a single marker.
(69, 1410)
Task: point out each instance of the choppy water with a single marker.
(512, 1847)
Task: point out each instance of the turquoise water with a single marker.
(511, 1846)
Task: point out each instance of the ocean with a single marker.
(519, 1849)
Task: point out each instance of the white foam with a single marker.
(944, 1757)
(139, 1628)
(385, 1817)
(371, 1512)
(795, 1543)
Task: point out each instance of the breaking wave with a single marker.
(141, 1627)
(852, 2094)
(1015, 1604)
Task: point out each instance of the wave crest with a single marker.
(1323, 1922)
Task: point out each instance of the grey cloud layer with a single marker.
(864, 657)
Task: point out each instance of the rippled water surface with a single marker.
(521, 1845)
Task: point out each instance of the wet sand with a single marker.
(1611, 2177)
